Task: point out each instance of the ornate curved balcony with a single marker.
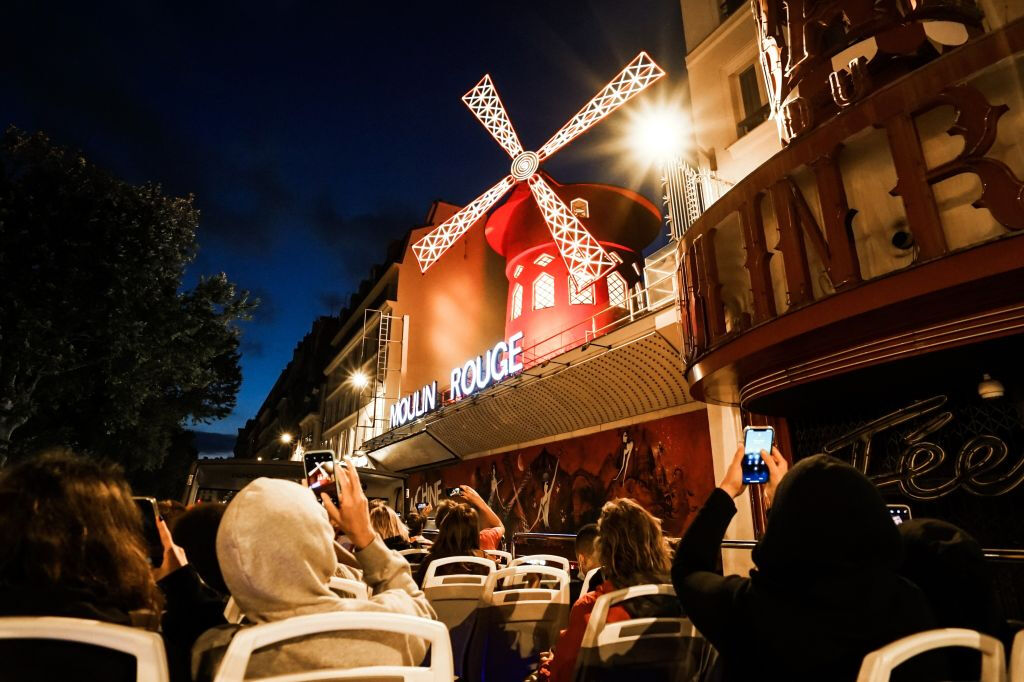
(891, 230)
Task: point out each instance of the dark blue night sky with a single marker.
(311, 133)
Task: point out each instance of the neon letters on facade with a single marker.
(500, 362)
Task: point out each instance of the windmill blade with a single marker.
(633, 78)
(486, 105)
(585, 259)
(432, 245)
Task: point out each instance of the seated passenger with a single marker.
(631, 551)
(196, 532)
(491, 527)
(950, 568)
(71, 545)
(586, 560)
(457, 535)
(277, 554)
(417, 521)
(825, 591)
(389, 527)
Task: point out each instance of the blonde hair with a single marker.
(630, 544)
(385, 521)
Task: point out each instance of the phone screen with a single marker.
(899, 513)
(320, 475)
(150, 533)
(754, 441)
(420, 506)
(454, 492)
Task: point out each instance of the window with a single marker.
(616, 290)
(518, 271)
(582, 298)
(544, 292)
(543, 259)
(517, 301)
(580, 208)
(754, 108)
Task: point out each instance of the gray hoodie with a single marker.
(276, 551)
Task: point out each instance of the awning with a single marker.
(628, 373)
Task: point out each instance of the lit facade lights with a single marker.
(584, 257)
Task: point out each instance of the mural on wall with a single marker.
(664, 464)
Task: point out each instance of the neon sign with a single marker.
(498, 363)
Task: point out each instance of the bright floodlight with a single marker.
(583, 256)
(359, 380)
(286, 438)
(657, 134)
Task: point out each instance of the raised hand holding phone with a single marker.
(352, 513)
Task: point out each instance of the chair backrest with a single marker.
(232, 612)
(353, 589)
(664, 646)
(146, 647)
(431, 579)
(414, 556)
(587, 578)
(1017, 658)
(503, 558)
(247, 640)
(878, 665)
(542, 560)
(515, 625)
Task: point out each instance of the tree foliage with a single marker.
(101, 348)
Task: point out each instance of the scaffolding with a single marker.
(381, 332)
(689, 192)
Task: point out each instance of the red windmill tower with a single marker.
(560, 274)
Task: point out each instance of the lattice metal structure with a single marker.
(584, 257)
(381, 331)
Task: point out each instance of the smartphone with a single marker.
(150, 513)
(454, 492)
(899, 513)
(756, 439)
(320, 478)
(420, 506)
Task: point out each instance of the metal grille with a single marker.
(544, 292)
(585, 297)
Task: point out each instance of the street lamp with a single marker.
(286, 438)
(359, 379)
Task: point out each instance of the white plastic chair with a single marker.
(504, 558)
(533, 559)
(236, 658)
(414, 556)
(1017, 658)
(878, 665)
(346, 587)
(232, 613)
(586, 580)
(514, 625)
(659, 647)
(431, 579)
(146, 647)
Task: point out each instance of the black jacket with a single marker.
(825, 592)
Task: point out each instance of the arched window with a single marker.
(584, 297)
(616, 290)
(544, 292)
(517, 301)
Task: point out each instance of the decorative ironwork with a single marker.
(584, 257)
(980, 467)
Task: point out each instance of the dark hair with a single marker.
(632, 549)
(415, 521)
(70, 522)
(441, 511)
(171, 510)
(196, 533)
(586, 538)
(458, 534)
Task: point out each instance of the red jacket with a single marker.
(559, 668)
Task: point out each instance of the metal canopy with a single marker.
(631, 372)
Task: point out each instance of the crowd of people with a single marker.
(835, 578)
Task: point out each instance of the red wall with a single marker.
(670, 473)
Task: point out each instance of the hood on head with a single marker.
(827, 519)
(275, 547)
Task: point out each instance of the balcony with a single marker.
(891, 230)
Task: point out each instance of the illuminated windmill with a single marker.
(585, 259)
